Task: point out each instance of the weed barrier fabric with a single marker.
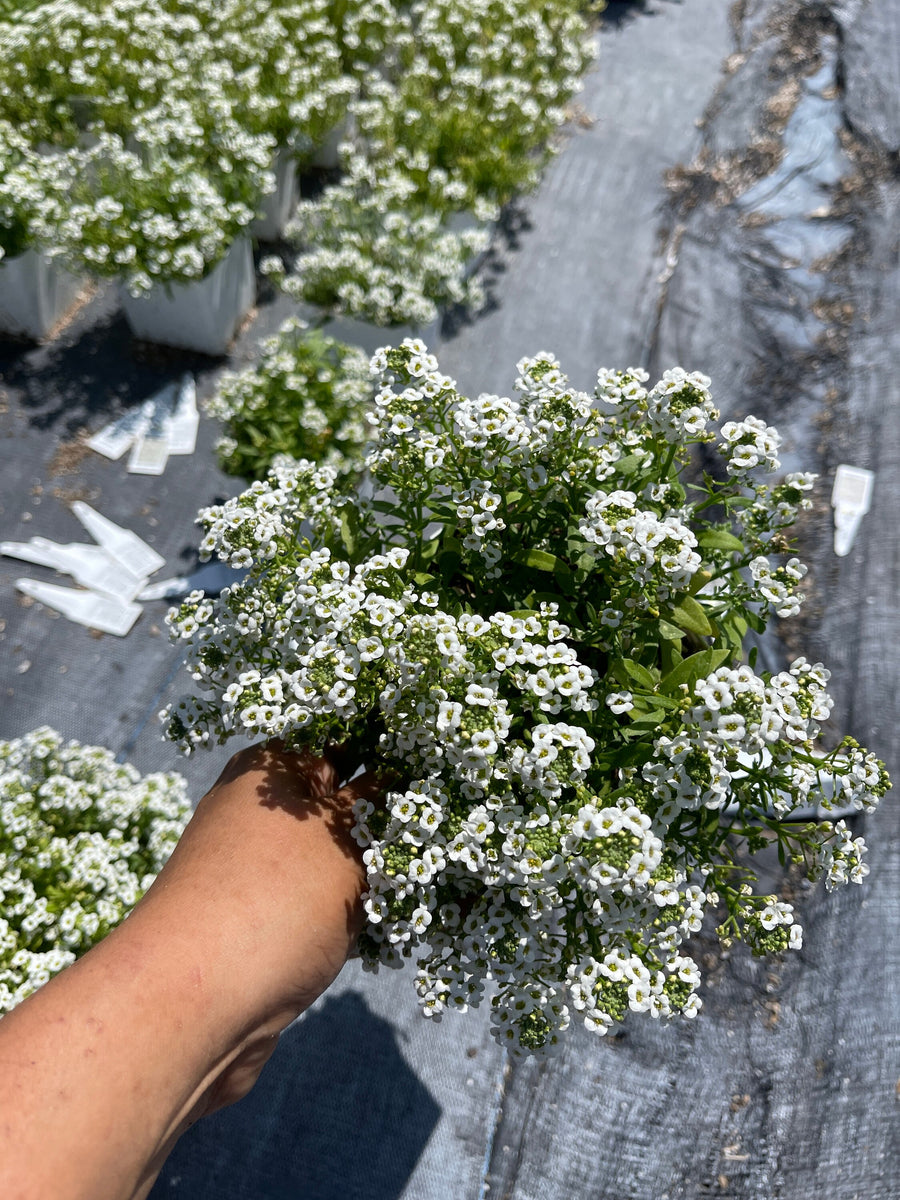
(786, 1083)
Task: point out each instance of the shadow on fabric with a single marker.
(336, 1115)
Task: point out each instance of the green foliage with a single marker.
(305, 397)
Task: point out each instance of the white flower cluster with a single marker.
(34, 194)
(371, 252)
(681, 404)
(81, 839)
(548, 672)
(641, 541)
(840, 860)
(470, 97)
(740, 723)
(750, 444)
(304, 397)
(776, 585)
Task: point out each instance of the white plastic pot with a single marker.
(370, 337)
(35, 294)
(203, 315)
(326, 154)
(277, 208)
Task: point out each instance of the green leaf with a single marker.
(690, 616)
(538, 560)
(669, 632)
(645, 723)
(422, 579)
(445, 512)
(450, 557)
(700, 580)
(513, 497)
(448, 563)
(719, 539)
(348, 530)
(541, 560)
(430, 549)
(647, 702)
(628, 465)
(733, 629)
(625, 756)
(695, 667)
(669, 657)
(639, 674)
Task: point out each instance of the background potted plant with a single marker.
(170, 220)
(81, 839)
(374, 260)
(304, 397)
(36, 292)
(471, 106)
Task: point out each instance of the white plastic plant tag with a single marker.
(114, 439)
(85, 608)
(131, 551)
(183, 423)
(88, 565)
(151, 450)
(92, 567)
(33, 552)
(149, 455)
(851, 497)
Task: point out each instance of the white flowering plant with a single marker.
(70, 70)
(371, 250)
(75, 67)
(532, 623)
(82, 837)
(283, 69)
(473, 96)
(168, 117)
(151, 211)
(304, 397)
(34, 191)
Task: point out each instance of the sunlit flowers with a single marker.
(530, 623)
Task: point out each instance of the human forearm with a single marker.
(177, 1010)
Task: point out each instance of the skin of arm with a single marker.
(175, 1013)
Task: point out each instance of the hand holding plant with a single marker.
(533, 627)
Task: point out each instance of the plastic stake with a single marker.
(114, 439)
(125, 546)
(89, 565)
(184, 421)
(151, 450)
(149, 455)
(86, 608)
(851, 497)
